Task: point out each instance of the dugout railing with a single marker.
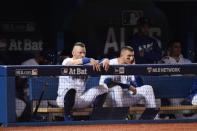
(9, 73)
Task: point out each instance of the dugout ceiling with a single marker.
(95, 22)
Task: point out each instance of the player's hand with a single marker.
(105, 64)
(95, 64)
(133, 89)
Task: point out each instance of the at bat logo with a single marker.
(74, 71)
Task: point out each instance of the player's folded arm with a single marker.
(110, 83)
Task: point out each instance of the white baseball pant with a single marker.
(85, 99)
(20, 107)
(118, 97)
(194, 100)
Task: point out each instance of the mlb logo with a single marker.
(34, 72)
(121, 70)
(116, 70)
(64, 71)
(130, 17)
(149, 69)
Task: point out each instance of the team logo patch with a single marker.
(120, 70)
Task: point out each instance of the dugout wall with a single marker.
(9, 73)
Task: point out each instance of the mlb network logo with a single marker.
(164, 69)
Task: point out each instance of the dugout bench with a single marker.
(8, 83)
(163, 86)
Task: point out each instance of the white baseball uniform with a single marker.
(83, 98)
(119, 97)
(171, 60)
(20, 107)
(20, 104)
(31, 61)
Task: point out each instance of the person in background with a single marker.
(61, 56)
(23, 104)
(45, 57)
(147, 50)
(174, 56)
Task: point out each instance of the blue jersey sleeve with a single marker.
(150, 47)
(156, 53)
(137, 82)
(109, 82)
(193, 90)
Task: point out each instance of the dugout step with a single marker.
(110, 113)
(149, 114)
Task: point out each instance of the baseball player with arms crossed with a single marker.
(127, 90)
(71, 89)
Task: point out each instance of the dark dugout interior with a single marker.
(57, 24)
